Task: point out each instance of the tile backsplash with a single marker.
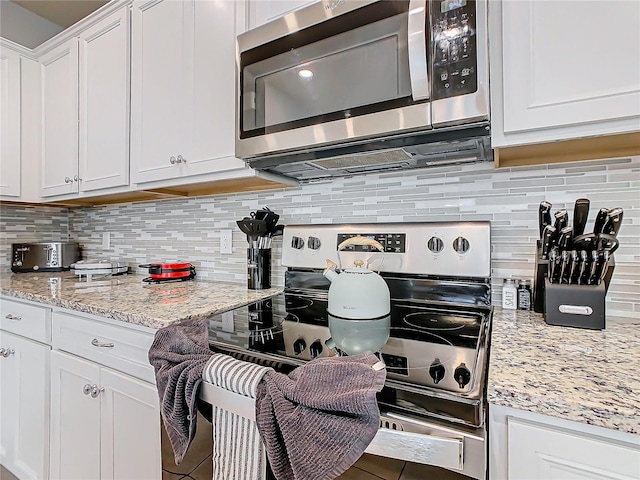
(189, 228)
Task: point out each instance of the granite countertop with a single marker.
(129, 299)
(588, 376)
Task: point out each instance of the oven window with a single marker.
(329, 76)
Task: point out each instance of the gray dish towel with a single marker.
(238, 452)
(318, 420)
(178, 354)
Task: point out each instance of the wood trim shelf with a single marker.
(610, 146)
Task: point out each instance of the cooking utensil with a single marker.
(613, 222)
(586, 241)
(553, 257)
(544, 216)
(593, 268)
(573, 262)
(600, 220)
(580, 215)
(170, 271)
(564, 263)
(608, 243)
(561, 219)
(253, 228)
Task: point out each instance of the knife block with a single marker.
(541, 282)
(580, 306)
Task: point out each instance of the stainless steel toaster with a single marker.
(43, 257)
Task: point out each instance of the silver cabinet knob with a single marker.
(11, 316)
(8, 351)
(67, 180)
(76, 178)
(97, 343)
(95, 391)
(1, 352)
(86, 389)
(173, 160)
(181, 159)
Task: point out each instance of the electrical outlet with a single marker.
(227, 322)
(226, 241)
(106, 240)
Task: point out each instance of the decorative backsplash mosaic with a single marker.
(189, 228)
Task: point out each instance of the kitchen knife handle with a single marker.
(547, 237)
(613, 222)
(600, 220)
(580, 215)
(544, 216)
(565, 237)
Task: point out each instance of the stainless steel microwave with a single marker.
(347, 86)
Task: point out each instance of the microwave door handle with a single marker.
(417, 49)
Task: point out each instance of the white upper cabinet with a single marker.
(59, 83)
(263, 11)
(85, 110)
(563, 70)
(10, 123)
(104, 103)
(183, 88)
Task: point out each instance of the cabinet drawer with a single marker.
(539, 451)
(117, 347)
(27, 320)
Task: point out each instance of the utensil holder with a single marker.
(258, 268)
(581, 306)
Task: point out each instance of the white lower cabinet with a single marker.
(105, 414)
(104, 424)
(24, 406)
(525, 445)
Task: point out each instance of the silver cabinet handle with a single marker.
(1, 352)
(67, 180)
(173, 160)
(96, 343)
(7, 351)
(86, 389)
(181, 159)
(95, 391)
(76, 178)
(13, 317)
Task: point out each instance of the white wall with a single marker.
(24, 27)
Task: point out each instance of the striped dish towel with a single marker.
(238, 451)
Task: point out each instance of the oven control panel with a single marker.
(451, 249)
(391, 242)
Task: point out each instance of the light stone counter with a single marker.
(128, 298)
(588, 376)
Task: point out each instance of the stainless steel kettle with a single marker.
(359, 304)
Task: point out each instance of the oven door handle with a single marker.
(418, 447)
(417, 49)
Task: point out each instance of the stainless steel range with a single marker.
(433, 403)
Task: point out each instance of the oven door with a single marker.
(332, 72)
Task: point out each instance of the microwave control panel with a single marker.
(454, 57)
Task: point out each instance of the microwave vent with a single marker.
(365, 160)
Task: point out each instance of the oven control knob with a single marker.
(315, 349)
(299, 345)
(297, 243)
(461, 245)
(435, 245)
(313, 243)
(437, 371)
(462, 375)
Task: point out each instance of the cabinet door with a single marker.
(542, 453)
(60, 119)
(160, 73)
(24, 407)
(75, 419)
(10, 123)
(568, 64)
(104, 103)
(130, 428)
(263, 11)
(209, 129)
